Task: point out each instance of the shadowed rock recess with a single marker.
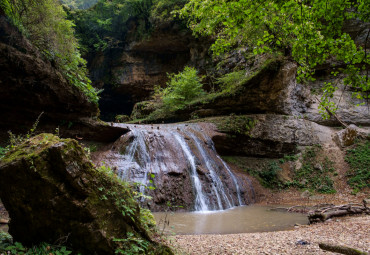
(53, 193)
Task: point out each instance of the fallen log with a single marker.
(341, 249)
(327, 212)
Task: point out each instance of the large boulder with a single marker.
(53, 192)
(346, 137)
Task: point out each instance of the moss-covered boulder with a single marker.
(53, 193)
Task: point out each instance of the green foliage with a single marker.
(315, 172)
(148, 220)
(287, 158)
(310, 31)
(182, 89)
(3, 151)
(79, 4)
(107, 23)
(44, 23)
(15, 140)
(7, 246)
(122, 118)
(269, 176)
(358, 158)
(126, 203)
(230, 81)
(132, 245)
(163, 10)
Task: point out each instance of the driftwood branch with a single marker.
(341, 249)
(324, 213)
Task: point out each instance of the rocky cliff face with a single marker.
(269, 135)
(128, 73)
(273, 88)
(30, 85)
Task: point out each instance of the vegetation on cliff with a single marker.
(181, 89)
(79, 4)
(358, 157)
(314, 172)
(109, 23)
(311, 32)
(44, 23)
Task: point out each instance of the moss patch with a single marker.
(314, 174)
(236, 125)
(358, 157)
(65, 193)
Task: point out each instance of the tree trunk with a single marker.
(341, 249)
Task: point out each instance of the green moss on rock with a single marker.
(52, 190)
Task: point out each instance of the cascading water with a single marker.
(200, 203)
(182, 163)
(217, 185)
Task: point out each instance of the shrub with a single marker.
(7, 246)
(269, 176)
(182, 89)
(163, 10)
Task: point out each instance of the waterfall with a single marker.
(217, 185)
(200, 203)
(234, 180)
(186, 167)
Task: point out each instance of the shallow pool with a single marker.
(242, 219)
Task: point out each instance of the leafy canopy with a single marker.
(110, 22)
(44, 23)
(79, 4)
(310, 31)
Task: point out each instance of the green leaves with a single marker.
(358, 158)
(182, 89)
(7, 246)
(44, 23)
(310, 30)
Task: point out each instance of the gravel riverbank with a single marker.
(349, 231)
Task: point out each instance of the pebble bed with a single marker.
(353, 232)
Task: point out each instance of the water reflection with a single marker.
(242, 219)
